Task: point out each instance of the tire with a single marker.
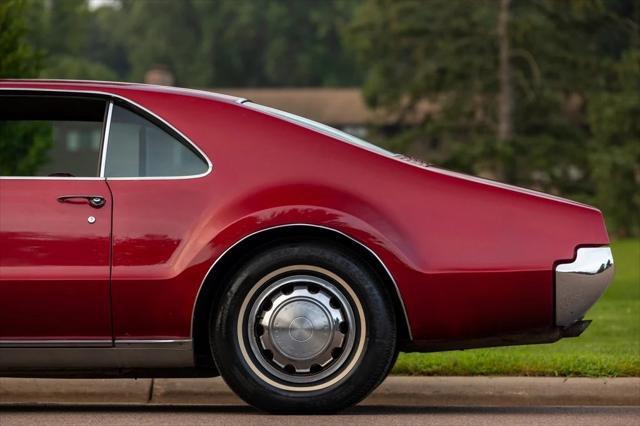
(303, 328)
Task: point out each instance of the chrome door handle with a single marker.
(95, 201)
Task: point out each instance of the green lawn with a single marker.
(609, 347)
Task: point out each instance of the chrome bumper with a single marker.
(579, 284)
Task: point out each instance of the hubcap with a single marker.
(301, 328)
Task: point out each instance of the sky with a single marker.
(94, 4)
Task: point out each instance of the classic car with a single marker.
(151, 231)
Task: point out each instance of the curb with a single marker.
(395, 391)
(507, 391)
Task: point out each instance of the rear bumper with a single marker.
(580, 283)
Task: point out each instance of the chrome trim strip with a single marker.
(49, 178)
(174, 344)
(52, 343)
(404, 310)
(130, 102)
(177, 344)
(43, 355)
(147, 354)
(580, 283)
(105, 140)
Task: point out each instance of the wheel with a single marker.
(303, 328)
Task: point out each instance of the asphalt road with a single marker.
(369, 415)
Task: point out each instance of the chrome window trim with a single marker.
(130, 102)
(105, 139)
(326, 228)
(318, 128)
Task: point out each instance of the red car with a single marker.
(155, 231)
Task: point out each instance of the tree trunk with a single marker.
(505, 98)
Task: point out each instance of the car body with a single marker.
(126, 287)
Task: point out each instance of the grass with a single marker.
(609, 347)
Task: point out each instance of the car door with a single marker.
(55, 221)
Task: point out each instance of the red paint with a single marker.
(472, 258)
(54, 265)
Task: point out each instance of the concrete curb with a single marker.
(395, 391)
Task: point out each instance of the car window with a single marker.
(50, 135)
(139, 148)
(319, 127)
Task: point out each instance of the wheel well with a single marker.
(213, 285)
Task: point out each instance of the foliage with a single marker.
(609, 347)
(219, 43)
(615, 145)
(242, 43)
(17, 57)
(575, 75)
(76, 68)
(75, 40)
(24, 146)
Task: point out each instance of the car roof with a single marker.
(108, 86)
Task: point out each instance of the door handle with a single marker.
(95, 201)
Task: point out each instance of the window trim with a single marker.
(318, 128)
(143, 113)
(105, 137)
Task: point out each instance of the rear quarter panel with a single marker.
(471, 259)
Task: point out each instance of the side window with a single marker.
(49, 135)
(139, 148)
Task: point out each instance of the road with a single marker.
(370, 415)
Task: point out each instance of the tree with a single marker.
(17, 57)
(613, 117)
(204, 43)
(505, 100)
(440, 50)
(242, 42)
(521, 89)
(64, 30)
(21, 144)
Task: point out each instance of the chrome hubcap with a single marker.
(301, 328)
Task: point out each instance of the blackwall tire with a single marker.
(303, 328)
